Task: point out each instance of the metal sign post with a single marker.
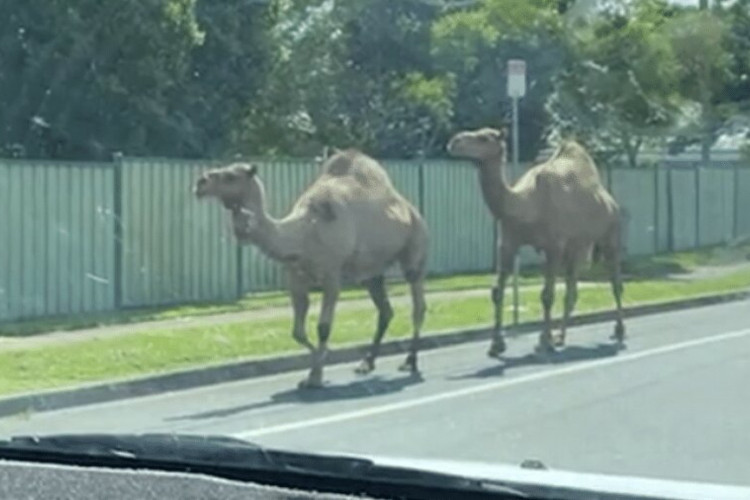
(516, 90)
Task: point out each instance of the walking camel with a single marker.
(561, 208)
(350, 224)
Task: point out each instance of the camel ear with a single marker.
(498, 135)
(252, 170)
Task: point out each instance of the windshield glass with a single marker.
(502, 231)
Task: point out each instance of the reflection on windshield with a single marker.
(505, 231)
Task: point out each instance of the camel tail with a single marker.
(596, 254)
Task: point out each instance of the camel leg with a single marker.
(299, 293)
(571, 297)
(548, 298)
(507, 255)
(418, 308)
(379, 296)
(612, 254)
(325, 322)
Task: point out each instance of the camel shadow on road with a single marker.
(358, 389)
(570, 354)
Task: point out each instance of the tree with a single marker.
(699, 40)
(620, 91)
(226, 79)
(354, 73)
(473, 46)
(85, 78)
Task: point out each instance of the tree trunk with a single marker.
(631, 150)
(707, 125)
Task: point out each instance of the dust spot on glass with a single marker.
(97, 279)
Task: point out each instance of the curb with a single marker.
(259, 367)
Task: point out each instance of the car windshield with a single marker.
(498, 231)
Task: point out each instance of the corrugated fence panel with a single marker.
(743, 202)
(716, 218)
(284, 182)
(635, 192)
(461, 228)
(59, 246)
(405, 176)
(58, 251)
(684, 208)
(176, 248)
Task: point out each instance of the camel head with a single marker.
(237, 187)
(480, 144)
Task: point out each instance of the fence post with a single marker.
(670, 210)
(420, 187)
(238, 265)
(736, 205)
(118, 229)
(697, 205)
(657, 221)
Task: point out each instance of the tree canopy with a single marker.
(83, 79)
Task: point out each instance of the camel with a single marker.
(350, 224)
(559, 207)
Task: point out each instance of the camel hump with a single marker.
(571, 149)
(572, 159)
(343, 162)
(357, 165)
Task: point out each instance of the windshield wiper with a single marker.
(240, 460)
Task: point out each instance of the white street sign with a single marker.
(516, 78)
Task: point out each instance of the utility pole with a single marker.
(706, 111)
(516, 90)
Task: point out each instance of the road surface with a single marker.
(675, 404)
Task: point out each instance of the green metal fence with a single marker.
(56, 239)
(78, 238)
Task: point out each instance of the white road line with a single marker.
(490, 386)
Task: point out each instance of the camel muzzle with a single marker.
(199, 190)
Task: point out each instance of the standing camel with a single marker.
(561, 208)
(350, 224)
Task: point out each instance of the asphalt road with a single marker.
(675, 404)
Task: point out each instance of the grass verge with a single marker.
(47, 367)
(644, 268)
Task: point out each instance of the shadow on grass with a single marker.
(571, 354)
(359, 389)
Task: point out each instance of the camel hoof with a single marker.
(365, 367)
(619, 334)
(310, 383)
(409, 366)
(558, 340)
(544, 350)
(496, 349)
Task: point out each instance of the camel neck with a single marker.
(271, 236)
(497, 195)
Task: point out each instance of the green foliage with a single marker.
(83, 78)
(86, 77)
(620, 93)
(474, 46)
